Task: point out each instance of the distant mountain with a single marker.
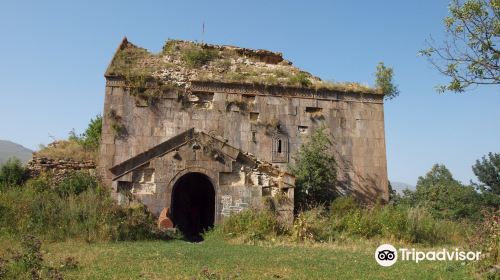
(399, 186)
(10, 149)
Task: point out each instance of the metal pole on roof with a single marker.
(203, 32)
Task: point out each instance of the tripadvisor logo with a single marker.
(387, 255)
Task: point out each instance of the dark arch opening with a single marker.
(193, 205)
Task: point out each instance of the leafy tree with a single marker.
(384, 83)
(92, 135)
(91, 138)
(469, 55)
(487, 171)
(12, 173)
(315, 171)
(446, 197)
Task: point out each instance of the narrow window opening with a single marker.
(280, 148)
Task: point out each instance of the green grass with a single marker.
(216, 259)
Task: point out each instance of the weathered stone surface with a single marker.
(58, 168)
(238, 179)
(242, 122)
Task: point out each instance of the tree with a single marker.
(92, 135)
(487, 171)
(12, 173)
(91, 138)
(384, 83)
(469, 54)
(315, 171)
(446, 197)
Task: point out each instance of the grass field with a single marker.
(216, 259)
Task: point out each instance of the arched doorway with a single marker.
(193, 205)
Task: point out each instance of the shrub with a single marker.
(77, 208)
(91, 138)
(29, 262)
(487, 239)
(345, 219)
(384, 81)
(76, 183)
(136, 223)
(315, 171)
(395, 222)
(117, 126)
(301, 79)
(343, 205)
(12, 173)
(197, 56)
(312, 225)
(252, 226)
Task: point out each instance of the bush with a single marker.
(136, 223)
(487, 239)
(315, 171)
(384, 81)
(197, 56)
(301, 79)
(76, 183)
(408, 224)
(343, 206)
(252, 226)
(78, 208)
(29, 263)
(91, 138)
(12, 173)
(312, 225)
(346, 219)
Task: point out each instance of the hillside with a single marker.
(10, 149)
(400, 186)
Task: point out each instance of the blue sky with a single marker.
(53, 55)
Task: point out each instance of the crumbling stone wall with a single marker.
(58, 169)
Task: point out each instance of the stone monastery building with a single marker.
(198, 132)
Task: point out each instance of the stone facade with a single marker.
(228, 131)
(239, 180)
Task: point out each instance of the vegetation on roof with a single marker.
(181, 62)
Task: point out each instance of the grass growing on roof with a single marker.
(201, 62)
(197, 56)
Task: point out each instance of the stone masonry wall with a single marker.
(58, 168)
(257, 120)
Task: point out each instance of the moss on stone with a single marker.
(181, 62)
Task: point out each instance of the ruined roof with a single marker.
(182, 62)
